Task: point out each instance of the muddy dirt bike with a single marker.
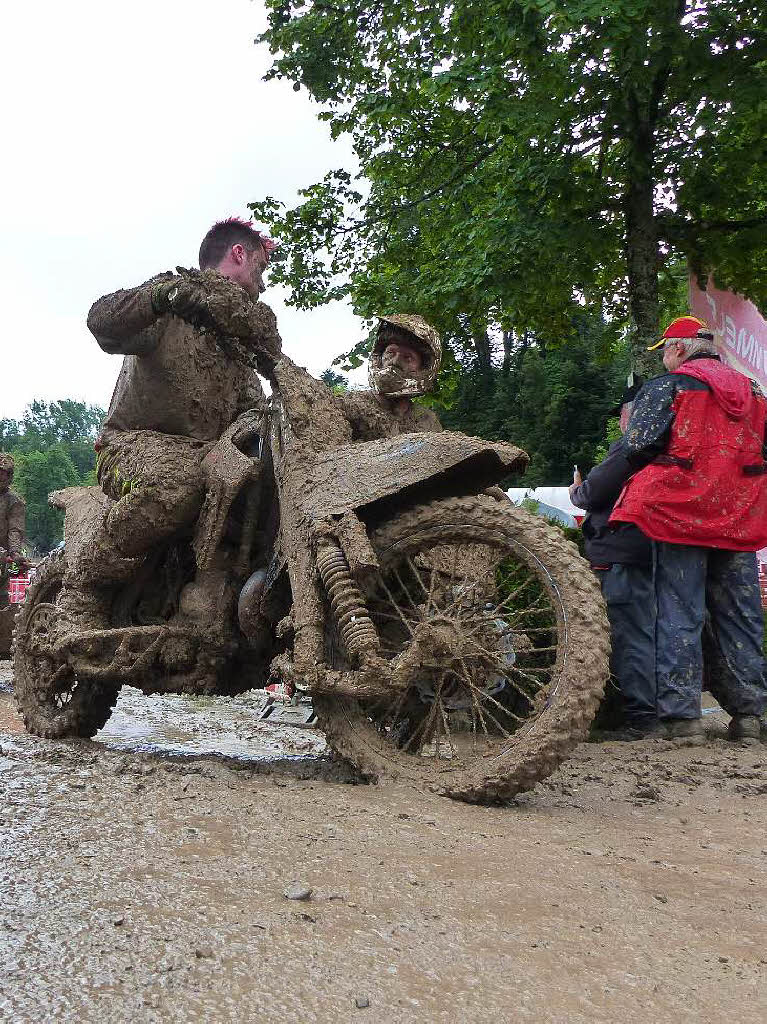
(446, 637)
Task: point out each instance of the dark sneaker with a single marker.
(687, 732)
(744, 729)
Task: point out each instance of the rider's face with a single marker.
(397, 353)
(257, 261)
(247, 269)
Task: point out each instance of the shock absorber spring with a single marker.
(346, 601)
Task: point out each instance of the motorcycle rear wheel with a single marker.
(52, 701)
(529, 636)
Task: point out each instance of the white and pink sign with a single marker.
(741, 335)
(740, 329)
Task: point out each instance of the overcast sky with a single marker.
(129, 128)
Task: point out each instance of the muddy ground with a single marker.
(143, 875)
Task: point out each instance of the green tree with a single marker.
(521, 158)
(72, 425)
(37, 474)
(553, 401)
(10, 434)
(334, 380)
(53, 447)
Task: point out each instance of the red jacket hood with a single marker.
(731, 389)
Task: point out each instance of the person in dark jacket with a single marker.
(698, 434)
(621, 556)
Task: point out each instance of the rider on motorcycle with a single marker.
(181, 386)
(404, 363)
(12, 523)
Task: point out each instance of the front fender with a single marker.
(357, 476)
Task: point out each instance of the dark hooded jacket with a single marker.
(605, 543)
(703, 426)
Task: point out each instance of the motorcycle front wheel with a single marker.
(507, 629)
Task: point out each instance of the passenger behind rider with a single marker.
(403, 365)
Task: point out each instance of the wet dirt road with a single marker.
(142, 879)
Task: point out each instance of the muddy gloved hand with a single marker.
(181, 297)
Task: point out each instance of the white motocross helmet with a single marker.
(392, 381)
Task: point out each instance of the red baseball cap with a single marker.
(684, 327)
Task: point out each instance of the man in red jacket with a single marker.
(697, 436)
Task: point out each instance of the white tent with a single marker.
(552, 501)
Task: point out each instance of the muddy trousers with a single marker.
(629, 592)
(156, 485)
(689, 582)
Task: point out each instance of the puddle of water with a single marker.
(198, 726)
(191, 726)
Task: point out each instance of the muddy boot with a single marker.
(686, 732)
(93, 574)
(745, 729)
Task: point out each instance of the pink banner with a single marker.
(740, 329)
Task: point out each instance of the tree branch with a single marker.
(410, 204)
(674, 230)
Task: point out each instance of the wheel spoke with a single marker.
(505, 669)
(423, 727)
(484, 696)
(401, 582)
(536, 682)
(447, 729)
(404, 621)
(416, 573)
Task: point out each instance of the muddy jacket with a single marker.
(175, 379)
(12, 521)
(609, 543)
(704, 424)
(370, 418)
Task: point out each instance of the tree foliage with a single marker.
(37, 474)
(52, 444)
(553, 401)
(521, 158)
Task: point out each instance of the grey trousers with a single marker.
(689, 581)
(629, 593)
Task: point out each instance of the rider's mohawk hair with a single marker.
(226, 233)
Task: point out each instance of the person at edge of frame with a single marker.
(621, 556)
(698, 435)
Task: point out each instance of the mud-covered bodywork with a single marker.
(364, 477)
